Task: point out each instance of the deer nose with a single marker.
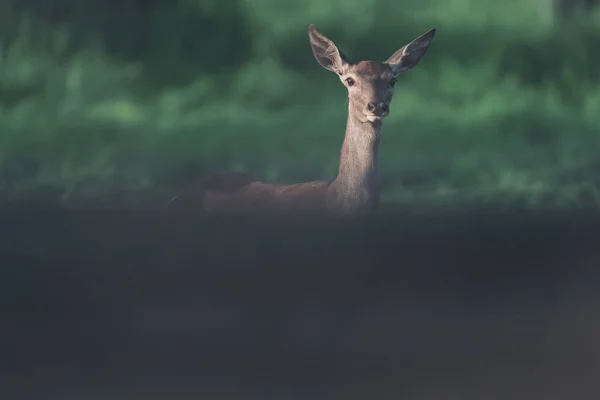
(379, 109)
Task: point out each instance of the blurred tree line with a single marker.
(565, 10)
(163, 34)
(195, 37)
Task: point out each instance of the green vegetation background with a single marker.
(136, 100)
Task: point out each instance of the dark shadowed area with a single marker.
(100, 304)
(110, 109)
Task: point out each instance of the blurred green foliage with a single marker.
(139, 95)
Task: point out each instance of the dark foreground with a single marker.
(142, 305)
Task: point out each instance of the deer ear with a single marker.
(326, 52)
(408, 56)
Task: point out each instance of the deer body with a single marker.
(356, 188)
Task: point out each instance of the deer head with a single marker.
(370, 84)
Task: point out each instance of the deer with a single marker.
(356, 188)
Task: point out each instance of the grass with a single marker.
(504, 108)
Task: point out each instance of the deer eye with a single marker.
(393, 82)
(350, 81)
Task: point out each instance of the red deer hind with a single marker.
(356, 187)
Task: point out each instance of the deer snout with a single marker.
(377, 109)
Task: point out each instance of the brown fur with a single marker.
(261, 197)
(356, 188)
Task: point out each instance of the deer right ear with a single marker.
(408, 56)
(326, 52)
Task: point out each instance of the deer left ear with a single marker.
(409, 56)
(326, 52)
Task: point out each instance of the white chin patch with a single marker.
(372, 118)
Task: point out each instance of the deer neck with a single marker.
(356, 186)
